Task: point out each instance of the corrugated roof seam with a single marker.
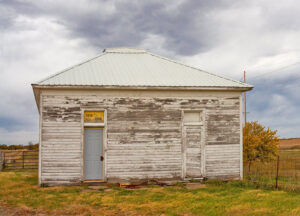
(69, 68)
(247, 85)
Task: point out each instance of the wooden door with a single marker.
(93, 154)
(193, 150)
(193, 132)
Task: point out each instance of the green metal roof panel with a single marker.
(135, 67)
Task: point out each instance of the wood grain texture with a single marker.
(223, 161)
(193, 139)
(144, 136)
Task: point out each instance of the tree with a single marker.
(30, 145)
(260, 143)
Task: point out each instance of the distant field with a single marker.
(292, 143)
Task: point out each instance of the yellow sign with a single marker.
(93, 117)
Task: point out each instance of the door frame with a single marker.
(104, 142)
(203, 143)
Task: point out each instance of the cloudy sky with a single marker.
(41, 37)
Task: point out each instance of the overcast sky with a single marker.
(40, 37)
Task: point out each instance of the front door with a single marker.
(93, 154)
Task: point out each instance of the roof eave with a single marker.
(36, 93)
(107, 87)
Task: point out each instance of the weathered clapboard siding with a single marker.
(144, 136)
(223, 161)
(61, 150)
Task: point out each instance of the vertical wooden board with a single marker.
(40, 139)
(241, 140)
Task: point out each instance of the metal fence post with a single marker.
(23, 158)
(277, 170)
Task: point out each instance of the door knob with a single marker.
(101, 158)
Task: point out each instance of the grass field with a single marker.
(19, 190)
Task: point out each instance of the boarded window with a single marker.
(192, 117)
(93, 117)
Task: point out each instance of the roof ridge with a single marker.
(125, 50)
(119, 52)
(69, 68)
(176, 62)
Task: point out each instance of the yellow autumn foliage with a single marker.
(260, 143)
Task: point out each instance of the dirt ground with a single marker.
(10, 211)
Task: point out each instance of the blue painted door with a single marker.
(93, 154)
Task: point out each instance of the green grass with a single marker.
(20, 190)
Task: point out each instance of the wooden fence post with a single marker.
(4, 165)
(1, 160)
(277, 170)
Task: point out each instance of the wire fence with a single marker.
(282, 173)
(15, 160)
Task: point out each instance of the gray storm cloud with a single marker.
(38, 38)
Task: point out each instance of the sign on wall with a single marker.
(93, 116)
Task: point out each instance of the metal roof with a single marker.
(136, 67)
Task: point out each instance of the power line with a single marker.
(287, 66)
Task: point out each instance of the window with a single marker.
(192, 117)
